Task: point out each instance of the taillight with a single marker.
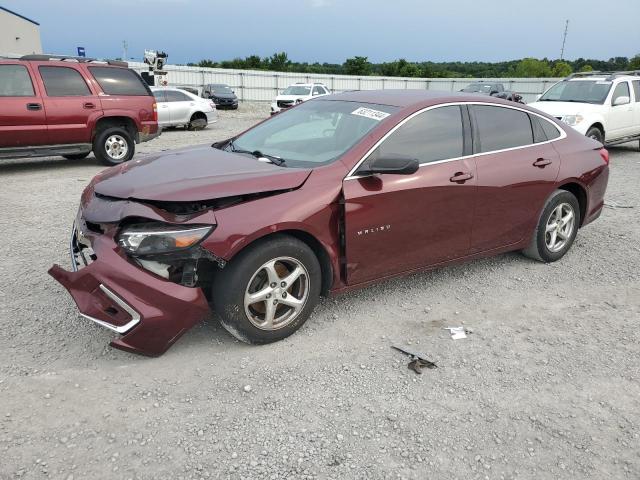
(604, 153)
(155, 112)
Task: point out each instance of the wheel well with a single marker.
(198, 115)
(599, 126)
(326, 269)
(581, 194)
(107, 122)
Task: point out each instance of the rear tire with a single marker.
(267, 291)
(556, 229)
(113, 146)
(198, 121)
(596, 134)
(76, 156)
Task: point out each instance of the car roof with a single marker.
(410, 97)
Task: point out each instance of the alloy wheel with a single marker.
(116, 147)
(559, 228)
(276, 293)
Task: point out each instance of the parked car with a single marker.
(493, 89)
(221, 94)
(326, 197)
(177, 107)
(603, 106)
(297, 93)
(197, 91)
(73, 106)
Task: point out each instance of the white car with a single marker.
(178, 107)
(297, 93)
(603, 106)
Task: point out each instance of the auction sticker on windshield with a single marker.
(370, 113)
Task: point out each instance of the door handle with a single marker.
(89, 105)
(461, 177)
(541, 162)
(34, 106)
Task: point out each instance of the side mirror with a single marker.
(622, 100)
(494, 92)
(394, 165)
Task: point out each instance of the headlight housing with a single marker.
(572, 120)
(153, 238)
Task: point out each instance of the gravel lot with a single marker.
(546, 387)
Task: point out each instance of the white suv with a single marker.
(297, 93)
(179, 107)
(603, 106)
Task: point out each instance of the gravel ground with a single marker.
(546, 387)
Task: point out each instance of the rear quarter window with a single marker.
(500, 128)
(550, 130)
(15, 81)
(119, 81)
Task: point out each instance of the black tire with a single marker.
(539, 248)
(107, 156)
(596, 134)
(231, 283)
(76, 156)
(198, 121)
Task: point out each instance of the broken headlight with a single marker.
(155, 238)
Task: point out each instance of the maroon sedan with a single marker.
(334, 194)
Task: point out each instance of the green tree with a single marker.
(207, 64)
(561, 69)
(586, 68)
(357, 66)
(278, 62)
(634, 63)
(532, 67)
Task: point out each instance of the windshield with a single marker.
(583, 91)
(221, 89)
(314, 132)
(297, 90)
(477, 87)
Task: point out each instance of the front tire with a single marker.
(113, 146)
(596, 134)
(198, 121)
(556, 229)
(268, 291)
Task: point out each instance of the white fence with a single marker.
(258, 85)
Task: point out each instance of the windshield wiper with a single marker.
(258, 154)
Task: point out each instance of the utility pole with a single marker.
(564, 39)
(124, 50)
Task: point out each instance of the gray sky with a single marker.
(332, 30)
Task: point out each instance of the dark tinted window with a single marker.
(175, 96)
(550, 130)
(159, 94)
(119, 81)
(538, 133)
(636, 89)
(430, 136)
(622, 90)
(318, 91)
(500, 128)
(15, 81)
(63, 82)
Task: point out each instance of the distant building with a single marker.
(18, 35)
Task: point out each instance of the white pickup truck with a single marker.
(603, 106)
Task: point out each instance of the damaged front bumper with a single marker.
(150, 312)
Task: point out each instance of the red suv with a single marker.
(72, 106)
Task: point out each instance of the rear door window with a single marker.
(119, 81)
(160, 96)
(63, 82)
(500, 128)
(433, 135)
(175, 96)
(15, 81)
(636, 89)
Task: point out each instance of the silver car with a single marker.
(178, 107)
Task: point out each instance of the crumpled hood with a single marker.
(560, 109)
(193, 174)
